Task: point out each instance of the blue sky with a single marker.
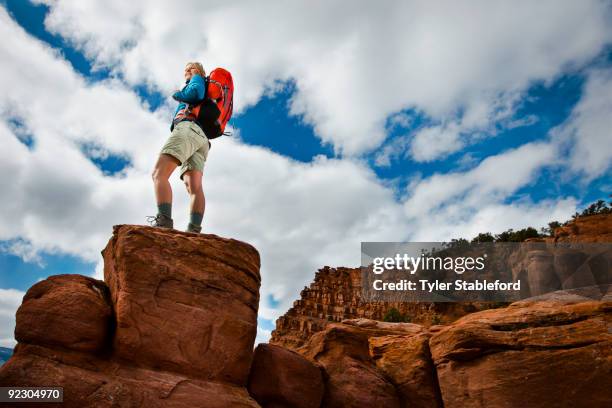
(373, 162)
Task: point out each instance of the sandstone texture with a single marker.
(335, 295)
(374, 364)
(91, 381)
(536, 354)
(406, 361)
(70, 311)
(593, 228)
(283, 378)
(173, 325)
(184, 303)
(546, 353)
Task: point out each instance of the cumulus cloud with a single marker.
(263, 335)
(463, 204)
(434, 142)
(23, 249)
(354, 64)
(494, 178)
(588, 131)
(10, 299)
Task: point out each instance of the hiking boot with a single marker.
(161, 221)
(194, 228)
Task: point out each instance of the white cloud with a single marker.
(494, 178)
(263, 335)
(10, 299)
(23, 249)
(588, 132)
(435, 142)
(463, 204)
(485, 118)
(354, 64)
(391, 151)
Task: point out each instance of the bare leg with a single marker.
(193, 182)
(161, 174)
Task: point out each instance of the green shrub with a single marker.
(436, 319)
(393, 315)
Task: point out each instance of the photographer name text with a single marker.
(437, 286)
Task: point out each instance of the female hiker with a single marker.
(188, 147)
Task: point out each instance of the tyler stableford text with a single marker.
(437, 286)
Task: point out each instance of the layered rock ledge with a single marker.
(172, 325)
(336, 293)
(554, 352)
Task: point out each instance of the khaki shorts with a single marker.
(189, 145)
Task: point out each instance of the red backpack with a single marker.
(216, 109)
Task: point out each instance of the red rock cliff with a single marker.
(335, 293)
(593, 228)
(551, 351)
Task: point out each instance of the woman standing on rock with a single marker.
(187, 146)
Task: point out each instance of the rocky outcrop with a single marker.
(553, 349)
(335, 295)
(68, 311)
(546, 267)
(536, 354)
(592, 228)
(283, 378)
(374, 364)
(173, 326)
(97, 381)
(183, 303)
(553, 352)
(174, 322)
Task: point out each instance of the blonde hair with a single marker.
(198, 67)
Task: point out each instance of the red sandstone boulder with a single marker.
(400, 352)
(351, 378)
(283, 378)
(406, 361)
(184, 303)
(70, 311)
(363, 370)
(536, 354)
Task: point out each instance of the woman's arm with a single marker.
(193, 92)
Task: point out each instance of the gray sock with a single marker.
(165, 209)
(196, 218)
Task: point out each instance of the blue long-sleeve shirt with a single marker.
(192, 92)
